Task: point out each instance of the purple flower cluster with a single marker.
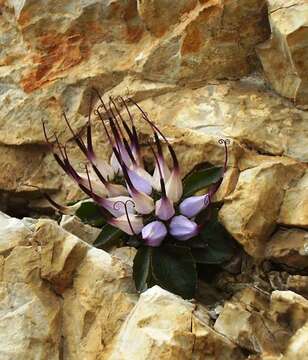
(140, 203)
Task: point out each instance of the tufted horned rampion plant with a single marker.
(156, 211)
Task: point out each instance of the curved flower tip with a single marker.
(164, 209)
(118, 205)
(154, 233)
(191, 206)
(131, 224)
(174, 186)
(182, 228)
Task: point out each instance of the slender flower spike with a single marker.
(154, 233)
(182, 228)
(127, 194)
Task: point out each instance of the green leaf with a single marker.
(201, 179)
(142, 268)
(89, 212)
(174, 268)
(108, 237)
(220, 245)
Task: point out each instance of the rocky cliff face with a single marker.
(203, 69)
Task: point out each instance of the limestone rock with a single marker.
(209, 42)
(159, 16)
(298, 284)
(12, 233)
(290, 308)
(96, 306)
(272, 321)
(29, 322)
(60, 253)
(245, 308)
(29, 311)
(161, 322)
(284, 55)
(243, 110)
(50, 68)
(76, 227)
(294, 209)
(290, 247)
(125, 254)
(298, 349)
(251, 211)
(210, 344)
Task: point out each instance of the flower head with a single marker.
(131, 198)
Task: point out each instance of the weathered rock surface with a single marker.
(251, 211)
(193, 66)
(284, 55)
(294, 209)
(83, 231)
(30, 313)
(289, 247)
(95, 307)
(52, 284)
(274, 322)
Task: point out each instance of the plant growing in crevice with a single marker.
(157, 212)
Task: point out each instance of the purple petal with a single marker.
(191, 206)
(182, 228)
(139, 182)
(154, 233)
(164, 209)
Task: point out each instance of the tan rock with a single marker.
(96, 306)
(201, 46)
(60, 253)
(244, 321)
(289, 308)
(29, 311)
(273, 323)
(125, 254)
(297, 348)
(76, 227)
(243, 110)
(290, 247)
(251, 211)
(161, 322)
(294, 209)
(284, 55)
(29, 322)
(12, 233)
(159, 15)
(210, 345)
(298, 284)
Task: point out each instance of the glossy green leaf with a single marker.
(220, 247)
(174, 268)
(201, 179)
(89, 212)
(108, 237)
(142, 268)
